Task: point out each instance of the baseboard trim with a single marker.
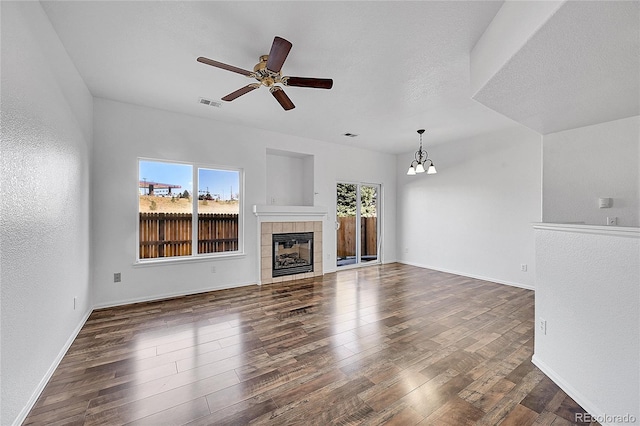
(568, 389)
(465, 274)
(166, 296)
(45, 379)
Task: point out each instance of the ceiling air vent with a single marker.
(209, 102)
(350, 135)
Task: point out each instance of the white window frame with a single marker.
(194, 256)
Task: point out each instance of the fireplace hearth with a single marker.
(292, 253)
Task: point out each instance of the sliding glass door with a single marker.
(358, 225)
(369, 223)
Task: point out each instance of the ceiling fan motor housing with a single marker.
(263, 75)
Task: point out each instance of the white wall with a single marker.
(587, 163)
(123, 132)
(46, 144)
(587, 291)
(473, 217)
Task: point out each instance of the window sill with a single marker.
(190, 259)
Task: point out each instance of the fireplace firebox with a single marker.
(292, 253)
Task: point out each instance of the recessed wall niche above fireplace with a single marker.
(292, 253)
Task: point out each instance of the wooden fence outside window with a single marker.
(169, 234)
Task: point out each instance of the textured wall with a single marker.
(473, 217)
(46, 143)
(584, 164)
(587, 289)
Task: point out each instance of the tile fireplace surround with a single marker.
(273, 220)
(266, 248)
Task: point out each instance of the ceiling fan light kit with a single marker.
(421, 158)
(267, 72)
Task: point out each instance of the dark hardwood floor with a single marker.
(390, 344)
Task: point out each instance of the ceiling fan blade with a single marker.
(282, 98)
(223, 66)
(279, 51)
(318, 83)
(243, 91)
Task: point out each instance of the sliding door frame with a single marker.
(358, 237)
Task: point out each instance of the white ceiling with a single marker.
(397, 66)
(581, 67)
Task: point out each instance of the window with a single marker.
(167, 200)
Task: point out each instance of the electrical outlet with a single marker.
(213, 269)
(612, 221)
(406, 250)
(542, 326)
(523, 267)
(117, 277)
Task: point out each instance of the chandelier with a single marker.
(421, 158)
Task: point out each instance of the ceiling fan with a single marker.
(267, 72)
